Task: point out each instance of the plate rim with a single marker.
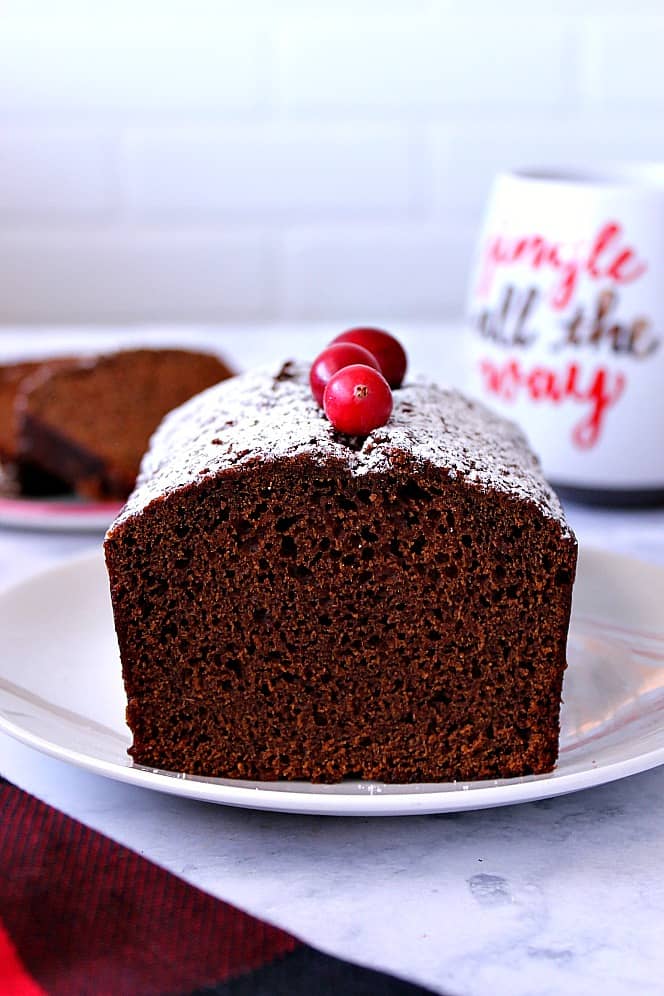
(57, 514)
(363, 798)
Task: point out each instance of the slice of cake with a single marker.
(89, 422)
(294, 603)
(21, 476)
(11, 377)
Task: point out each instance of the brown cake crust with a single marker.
(89, 422)
(377, 609)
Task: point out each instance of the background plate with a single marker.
(61, 692)
(58, 514)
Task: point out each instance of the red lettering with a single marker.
(600, 391)
(601, 396)
(542, 383)
(492, 257)
(605, 236)
(564, 291)
(617, 269)
(607, 259)
(570, 388)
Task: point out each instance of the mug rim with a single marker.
(622, 175)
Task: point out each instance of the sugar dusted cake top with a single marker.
(263, 416)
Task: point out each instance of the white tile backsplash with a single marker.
(625, 62)
(128, 275)
(163, 160)
(382, 271)
(48, 176)
(390, 64)
(131, 65)
(266, 171)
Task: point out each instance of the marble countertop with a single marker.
(561, 896)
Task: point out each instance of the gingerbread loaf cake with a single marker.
(291, 603)
(88, 421)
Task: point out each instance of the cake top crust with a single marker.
(263, 416)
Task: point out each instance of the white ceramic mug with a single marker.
(566, 309)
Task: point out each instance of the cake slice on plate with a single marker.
(88, 421)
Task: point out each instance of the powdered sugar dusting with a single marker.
(263, 416)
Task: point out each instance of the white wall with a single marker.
(248, 159)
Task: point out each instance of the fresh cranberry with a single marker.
(388, 351)
(357, 399)
(336, 357)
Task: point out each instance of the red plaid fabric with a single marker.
(80, 914)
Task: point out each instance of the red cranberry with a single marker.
(357, 399)
(336, 357)
(388, 351)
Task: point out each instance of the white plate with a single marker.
(61, 692)
(58, 514)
